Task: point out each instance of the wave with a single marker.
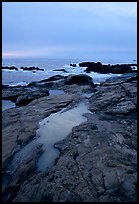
(22, 83)
(9, 70)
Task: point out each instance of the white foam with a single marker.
(29, 76)
(98, 78)
(134, 67)
(22, 83)
(9, 70)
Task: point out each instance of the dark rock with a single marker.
(73, 65)
(19, 127)
(90, 64)
(10, 68)
(104, 69)
(134, 71)
(24, 95)
(12, 93)
(121, 69)
(5, 86)
(31, 68)
(81, 79)
(26, 98)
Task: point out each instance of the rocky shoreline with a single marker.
(107, 68)
(90, 67)
(98, 159)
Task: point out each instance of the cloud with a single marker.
(68, 28)
(105, 8)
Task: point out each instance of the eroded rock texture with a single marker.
(98, 159)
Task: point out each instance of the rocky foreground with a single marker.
(98, 159)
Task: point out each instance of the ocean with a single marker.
(20, 77)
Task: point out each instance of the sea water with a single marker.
(6, 104)
(20, 77)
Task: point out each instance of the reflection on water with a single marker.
(52, 129)
(55, 92)
(55, 128)
(7, 104)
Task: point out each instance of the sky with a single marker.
(69, 30)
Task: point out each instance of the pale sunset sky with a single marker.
(69, 29)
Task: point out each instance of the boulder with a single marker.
(81, 79)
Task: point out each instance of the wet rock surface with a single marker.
(98, 159)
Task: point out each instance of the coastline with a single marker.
(97, 160)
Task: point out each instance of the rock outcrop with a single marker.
(31, 68)
(26, 98)
(79, 79)
(23, 95)
(10, 68)
(98, 159)
(23, 68)
(104, 69)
